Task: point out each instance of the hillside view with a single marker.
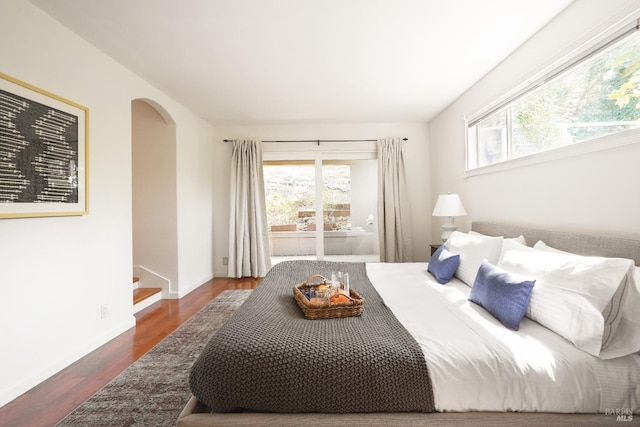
(290, 194)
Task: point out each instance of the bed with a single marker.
(476, 371)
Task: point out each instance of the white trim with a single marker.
(319, 205)
(313, 155)
(579, 148)
(220, 273)
(183, 292)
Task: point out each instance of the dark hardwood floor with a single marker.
(52, 400)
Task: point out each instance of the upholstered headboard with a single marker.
(583, 244)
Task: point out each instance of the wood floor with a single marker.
(52, 400)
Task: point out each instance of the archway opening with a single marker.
(154, 197)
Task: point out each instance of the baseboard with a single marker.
(53, 368)
(183, 292)
(224, 273)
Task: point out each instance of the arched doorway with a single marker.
(154, 193)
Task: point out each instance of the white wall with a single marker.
(55, 273)
(364, 195)
(416, 151)
(196, 202)
(592, 192)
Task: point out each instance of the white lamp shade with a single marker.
(449, 205)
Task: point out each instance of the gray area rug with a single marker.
(154, 390)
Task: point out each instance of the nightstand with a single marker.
(434, 248)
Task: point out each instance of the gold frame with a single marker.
(63, 179)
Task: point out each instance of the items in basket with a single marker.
(319, 293)
(340, 282)
(340, 298)
(317, 302)
(334, 290)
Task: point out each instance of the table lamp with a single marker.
(449, 205)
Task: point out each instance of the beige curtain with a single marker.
(394, 220)
(248, 230)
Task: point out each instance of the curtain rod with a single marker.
(318, 141)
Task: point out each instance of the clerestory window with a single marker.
(592, 96)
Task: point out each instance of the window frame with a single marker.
(287, 152)
(576, 56)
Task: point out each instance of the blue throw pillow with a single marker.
(502, 294)
(443, 264)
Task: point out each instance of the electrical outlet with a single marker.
(225, 261)
(104, 311)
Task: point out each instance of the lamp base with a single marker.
(448, 227)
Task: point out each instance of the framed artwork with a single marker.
(44, 153)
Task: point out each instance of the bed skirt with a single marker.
(190, 417)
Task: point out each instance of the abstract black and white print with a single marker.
(38, 152)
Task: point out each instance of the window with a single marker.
(594, 96)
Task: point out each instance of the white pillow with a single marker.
(571, 292)
(621, 310)
(473, 249)
(626, 337)
(519, 239)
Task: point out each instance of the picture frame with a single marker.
(44, 153)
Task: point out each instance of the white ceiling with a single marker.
(288, 61)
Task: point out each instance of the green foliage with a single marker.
(587, 102)
(280, 209)
(598, 97)
(629, 89)
(537, 121)
(290, 189)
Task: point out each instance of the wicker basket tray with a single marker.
(326, 310)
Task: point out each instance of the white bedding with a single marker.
(476, 364)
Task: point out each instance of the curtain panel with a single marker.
(394, 219)
(248, 230)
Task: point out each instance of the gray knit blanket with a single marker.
(269, 358)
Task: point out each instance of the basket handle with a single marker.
(308, 282)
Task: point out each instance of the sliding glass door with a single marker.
(322, 209)
(349, 202)
(290, 194)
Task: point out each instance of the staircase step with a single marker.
(141, 294)
(145, 297)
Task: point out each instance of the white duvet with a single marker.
(476, 364)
